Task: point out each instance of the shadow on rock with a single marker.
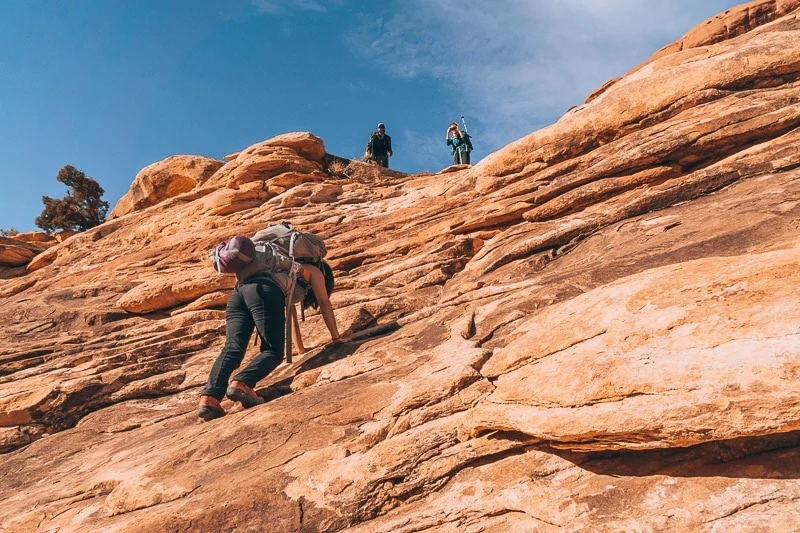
(765, 457)
(328, 354)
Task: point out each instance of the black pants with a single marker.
(257, 304)
(382, 160)
(461, 158)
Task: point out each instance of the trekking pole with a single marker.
(464, 122)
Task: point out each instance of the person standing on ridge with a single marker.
(460, 142)
(379, 147)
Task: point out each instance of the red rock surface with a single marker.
(731, 23)
(165, 179)
(18, 250)
(593, 329)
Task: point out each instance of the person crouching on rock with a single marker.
(258, 302)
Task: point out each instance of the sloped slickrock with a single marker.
(164, 179)
(36, 236)
(731, 23)
(721, 27)
(15, 254)
(18, 250)
(306, 144)
(630, 338)
(168, 293)
(281, 163)
(594, 329)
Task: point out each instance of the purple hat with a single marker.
(231, 257)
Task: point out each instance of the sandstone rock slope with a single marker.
(595, 328)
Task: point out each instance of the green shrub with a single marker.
(82, 208)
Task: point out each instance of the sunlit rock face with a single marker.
(17, 250)
(165, 179)
(593, 329)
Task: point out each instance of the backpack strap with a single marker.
(292, 280)
(215, 258)
(293, 272)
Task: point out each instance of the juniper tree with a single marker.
(82, 208)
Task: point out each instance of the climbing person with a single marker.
(379, 147)
(460, 142)
(259, 300)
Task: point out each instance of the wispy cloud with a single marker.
(520, 64)
(282, 7)
(427, 149)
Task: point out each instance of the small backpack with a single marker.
(298, 245)
(231, 257)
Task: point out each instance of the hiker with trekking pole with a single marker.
(276, 268)
(460, 141)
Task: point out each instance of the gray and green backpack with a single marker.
(278, 245)
(299, 245)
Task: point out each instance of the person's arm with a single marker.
(298, 338)
(317, 281)
(389, 146)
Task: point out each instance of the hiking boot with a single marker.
(209, 408)
(239, 392)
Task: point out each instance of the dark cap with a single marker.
(380, 125)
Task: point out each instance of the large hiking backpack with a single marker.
(274, 252)
(243, 257)
(269, 259)
(232, 256)
(298, 245)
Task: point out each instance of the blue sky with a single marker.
(110, 86)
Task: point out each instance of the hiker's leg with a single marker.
(238, 328)
(266, 304)
(384, 161)
(465, 158)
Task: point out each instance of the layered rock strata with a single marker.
(592, 329)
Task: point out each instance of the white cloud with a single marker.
(520, 64)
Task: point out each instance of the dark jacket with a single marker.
(378, 146)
